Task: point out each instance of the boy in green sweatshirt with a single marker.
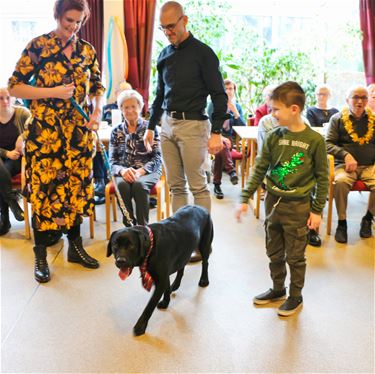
(293, 160)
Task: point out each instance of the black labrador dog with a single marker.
(175, 239)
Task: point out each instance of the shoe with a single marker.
(99, 200)
(365, 231)
(341, 235)
(314, 239)
(41, 269)
(218, 192)
(4, 226)
(16, 209)
(195, 256)
(291, 305)
(53, 237)
(233, 178)
(269, 297)
(99, 188)
(77, 254)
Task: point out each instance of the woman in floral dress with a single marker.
(59, 141)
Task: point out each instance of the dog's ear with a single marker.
(144, 239)
(109, 246)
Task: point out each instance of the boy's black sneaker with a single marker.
(291, 305)
(269, 297)
(218, 192)
(341, 235)
(365, 231)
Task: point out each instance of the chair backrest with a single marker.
(251, 121)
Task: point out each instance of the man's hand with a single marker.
(313, 221)
(241, 210)
(350, 163)
(215, 144)
(232, 107)
(148, 139)
(13, 155)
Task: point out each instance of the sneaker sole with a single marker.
(263, 302)
(287, 313)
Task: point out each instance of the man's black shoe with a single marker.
(233, 178)
(314, 239)
(365, 231)
(341, 235)
(218, 192)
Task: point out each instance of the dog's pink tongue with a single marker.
(124, 273)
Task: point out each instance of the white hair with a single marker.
(355, 88)
(129, 94)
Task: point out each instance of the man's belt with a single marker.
(193, 116)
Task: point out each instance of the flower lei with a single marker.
(349, 127)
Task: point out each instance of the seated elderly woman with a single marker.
(136, 169)
(12, 125)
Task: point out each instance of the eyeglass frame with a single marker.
(357, 98)
(171, 26)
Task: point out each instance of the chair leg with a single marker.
(107, 212)
(92, 225)
(257, 204)
(27, 218)
(114, 206)
(329, 213)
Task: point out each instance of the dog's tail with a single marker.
(206, 238)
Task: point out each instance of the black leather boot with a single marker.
(41, 270)
(77, 254)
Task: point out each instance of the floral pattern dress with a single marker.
(58, 146)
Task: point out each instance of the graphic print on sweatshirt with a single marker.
(281, 171)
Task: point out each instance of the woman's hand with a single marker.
(13, 155)
(129, 175)
(64, 91)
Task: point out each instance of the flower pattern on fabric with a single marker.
(58, 146)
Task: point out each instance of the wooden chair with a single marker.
(160, 191)
(357, 186)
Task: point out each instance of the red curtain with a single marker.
(367, 20)
(93, 30)
(139, 28)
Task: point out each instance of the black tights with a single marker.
(40, 237)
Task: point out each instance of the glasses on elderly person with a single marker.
(357, 98)
(171, 26)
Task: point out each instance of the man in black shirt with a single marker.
(188, 71)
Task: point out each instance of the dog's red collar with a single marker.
(147, 280)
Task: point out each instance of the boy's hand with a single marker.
(241, 210)
(313, 222)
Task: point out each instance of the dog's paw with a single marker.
(204, 283)
(163, 304)
(139, 329)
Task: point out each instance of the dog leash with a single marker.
(147, 280)
(107, 165)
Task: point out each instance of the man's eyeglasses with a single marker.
(357, 98)
(171, 26)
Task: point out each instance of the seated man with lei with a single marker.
(351, 140)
